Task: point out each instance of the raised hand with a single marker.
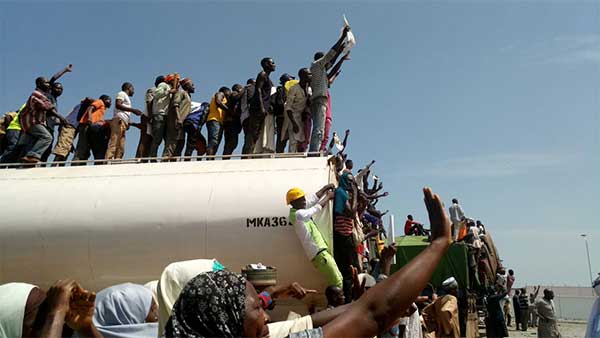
(388, 252)
(69, 68)
(81, 309)
(440, 225)
(294, 290)
(59, 295)
(358, 288)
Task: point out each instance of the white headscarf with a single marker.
(121, 312)
(173, 280)
(13, 298)
(153, 286)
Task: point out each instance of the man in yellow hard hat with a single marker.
(303, 208)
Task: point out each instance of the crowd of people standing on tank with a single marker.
(295, 115)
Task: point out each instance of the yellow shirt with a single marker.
(15, 124)
(290, 84)
(215, 113)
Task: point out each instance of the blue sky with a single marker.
(495, 103)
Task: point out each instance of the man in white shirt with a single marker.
(303, 208)
(120, 122)
(456, 217)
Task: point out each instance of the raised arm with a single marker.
(374, 197)
(58, 75)
(306, 214)
(335, 71)
(57, 300)
(325, 189)
(377, 309)
(338, 47)
(323, 317)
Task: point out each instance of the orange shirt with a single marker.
(97, 114)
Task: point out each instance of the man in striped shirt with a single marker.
(35, 131)
(319, 84)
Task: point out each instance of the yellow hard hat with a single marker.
(294, 194)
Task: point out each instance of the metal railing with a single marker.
(142, 160)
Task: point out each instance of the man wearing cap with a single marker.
(442, 315)
(303, 208)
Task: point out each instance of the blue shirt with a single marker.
(198, 115)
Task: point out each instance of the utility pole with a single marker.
(587, 249)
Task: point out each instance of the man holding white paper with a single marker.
(319, 84)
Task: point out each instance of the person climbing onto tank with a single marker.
(303, 208)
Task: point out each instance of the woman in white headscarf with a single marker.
(13, 300)
(126, 311)
(593, 325)
(28, 311)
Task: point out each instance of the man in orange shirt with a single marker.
(91, 130)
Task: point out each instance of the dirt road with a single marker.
(567, 330)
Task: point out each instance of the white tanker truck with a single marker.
(109, 224)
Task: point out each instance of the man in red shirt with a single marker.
(91, 130)
(412, 227)
(35, 131)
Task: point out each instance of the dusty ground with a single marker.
(567, 329)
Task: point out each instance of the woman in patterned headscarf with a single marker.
(217, 304)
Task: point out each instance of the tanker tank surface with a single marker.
(108, 224)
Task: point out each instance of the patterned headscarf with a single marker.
(212, 304)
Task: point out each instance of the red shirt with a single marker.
(408, 225)
(35, 110)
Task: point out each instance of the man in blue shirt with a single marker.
(192, 125)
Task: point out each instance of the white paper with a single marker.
(392, 234)
(349, 41)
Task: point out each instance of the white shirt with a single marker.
(456, 213)
(285, 328)
(123, 115)
(304, 215)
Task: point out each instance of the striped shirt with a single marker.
(319, 82)
(343, 225)
(35, 110)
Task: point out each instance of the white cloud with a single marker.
(575, 49)
(561, 50)
(497, 165)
